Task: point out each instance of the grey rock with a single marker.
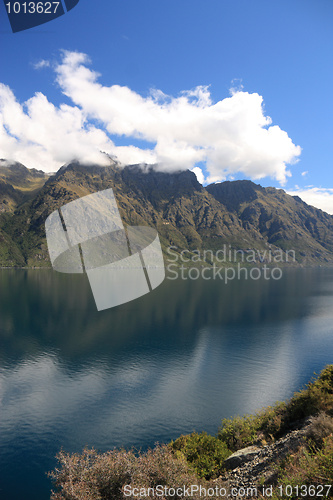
(241, 456)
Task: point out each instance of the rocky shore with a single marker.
(257, 466)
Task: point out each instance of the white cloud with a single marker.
(43, 63)
(318, 197)
(42, 136)
(305, 173)
(236, 85)
(229, 136)
(199, 173)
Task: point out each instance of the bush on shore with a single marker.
(272, 422)
(204, 453)
(104, 476)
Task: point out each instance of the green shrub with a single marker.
(272, 422)
(204, 453)
(238, 432)
(317, 397)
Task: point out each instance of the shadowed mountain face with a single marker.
(283, 220)
(186, 214)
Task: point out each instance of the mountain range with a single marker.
(240, 214)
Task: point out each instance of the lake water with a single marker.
(177, 360)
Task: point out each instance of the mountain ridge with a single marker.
(186, 214)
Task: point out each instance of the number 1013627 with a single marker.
(32, 7)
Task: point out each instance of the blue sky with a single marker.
(277, 55)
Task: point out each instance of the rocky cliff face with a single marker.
(283, 220)
(186, 214)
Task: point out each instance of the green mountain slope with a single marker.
(18, 184)
(283, 220)
(186, 214)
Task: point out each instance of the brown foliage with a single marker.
(103, 476)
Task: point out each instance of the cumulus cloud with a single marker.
(316, 196)
(199, 174)
(40, 135)
(230, 136)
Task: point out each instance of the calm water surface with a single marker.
(177, 360)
